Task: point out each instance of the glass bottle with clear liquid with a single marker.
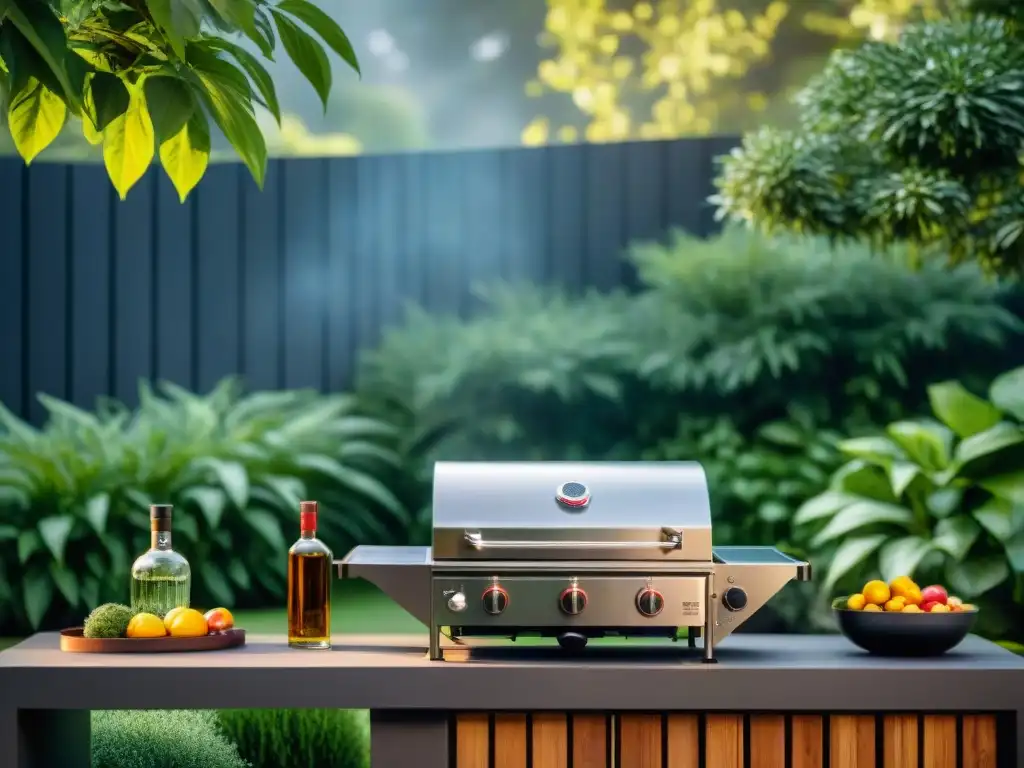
(161, 577)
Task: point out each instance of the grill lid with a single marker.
(571, 511)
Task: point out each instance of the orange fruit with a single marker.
(876, 592)
(188, 623)
(872, 607)
(219, 619)
(171, 614)
(912, 596)
(855, 602)
(911, 608)
(895, 605)
(902, 585)
(146, 625)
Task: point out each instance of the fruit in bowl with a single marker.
(938, 621)
(113, 620)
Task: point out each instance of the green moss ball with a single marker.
(108, 620)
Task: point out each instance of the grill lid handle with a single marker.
(673, 540)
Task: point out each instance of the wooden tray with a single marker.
(73, 641)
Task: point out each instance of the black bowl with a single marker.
(905, 634)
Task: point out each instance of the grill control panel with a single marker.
(552, 600)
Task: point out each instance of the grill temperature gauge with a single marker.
(495, 600)
(650, 602)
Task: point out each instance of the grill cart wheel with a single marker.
(572, 641)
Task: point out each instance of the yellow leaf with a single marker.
(89, 131)
(35, 116)
(185, 155)
(128, 145)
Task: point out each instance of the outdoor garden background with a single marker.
(411, 285)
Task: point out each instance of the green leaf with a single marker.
(979, 452)
(28, 544)
(1000, 518)
(256, 71)
(106, 98)
(90, 593)
(55, 532)
(67, 583)
(863, 479)
(926, 444)
(266, 525)
(956, 535)
(214, 581)
(976, 577)
(876, 450)
(96, 510)
(38, 594)
(240, 14)
(964, 413)
(238, 574)
(177, 21)
(863, 514)
(823, 505)
(1015, 552)
(232, 477)
(782, 433)
(289, 490)
(850, 554)
(232, 113)
(323, 25)
(307, 55)
(185, 157)
(35, 117)
(170, 105)
(1007, 393)
(40, 27)
(211, 503)
(90, 133)
(363, 484)
(1009, 486)
(128, 145)
(902, 557)
(903, 474)
(8, 532)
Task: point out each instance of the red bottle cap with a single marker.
(307, 515)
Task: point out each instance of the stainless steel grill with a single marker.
(575, 551)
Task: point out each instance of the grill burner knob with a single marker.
(495, 600)
(650, 602)
(457, 603)
(573, 600)
(735, 599)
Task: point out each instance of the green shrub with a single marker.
(73, 495)
(161, 739)
(300, 738)
(939, 499)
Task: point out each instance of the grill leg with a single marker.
(709, 619)
(435, 644)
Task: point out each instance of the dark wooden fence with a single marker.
(284, 286)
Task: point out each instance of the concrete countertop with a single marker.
(754, 673)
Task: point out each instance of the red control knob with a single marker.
(495, 600)
(572, 600)
(650, 602)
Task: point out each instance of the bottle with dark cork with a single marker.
(309, 585)
(161, 577)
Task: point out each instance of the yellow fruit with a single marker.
(911, 609)
(188, 623)
(146, 625)
(902, 586)
(939, 608)
(968, 607)
(895, 605)
(855, 602)
(876, 592)
(171, 614)
(912, 596)
(872, 607)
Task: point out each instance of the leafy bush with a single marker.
(939, 499)
(917, 140)
(161, 739)
(738, 325)
(300, 738)
(74, 495)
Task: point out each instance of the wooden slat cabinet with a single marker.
(682, 740)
